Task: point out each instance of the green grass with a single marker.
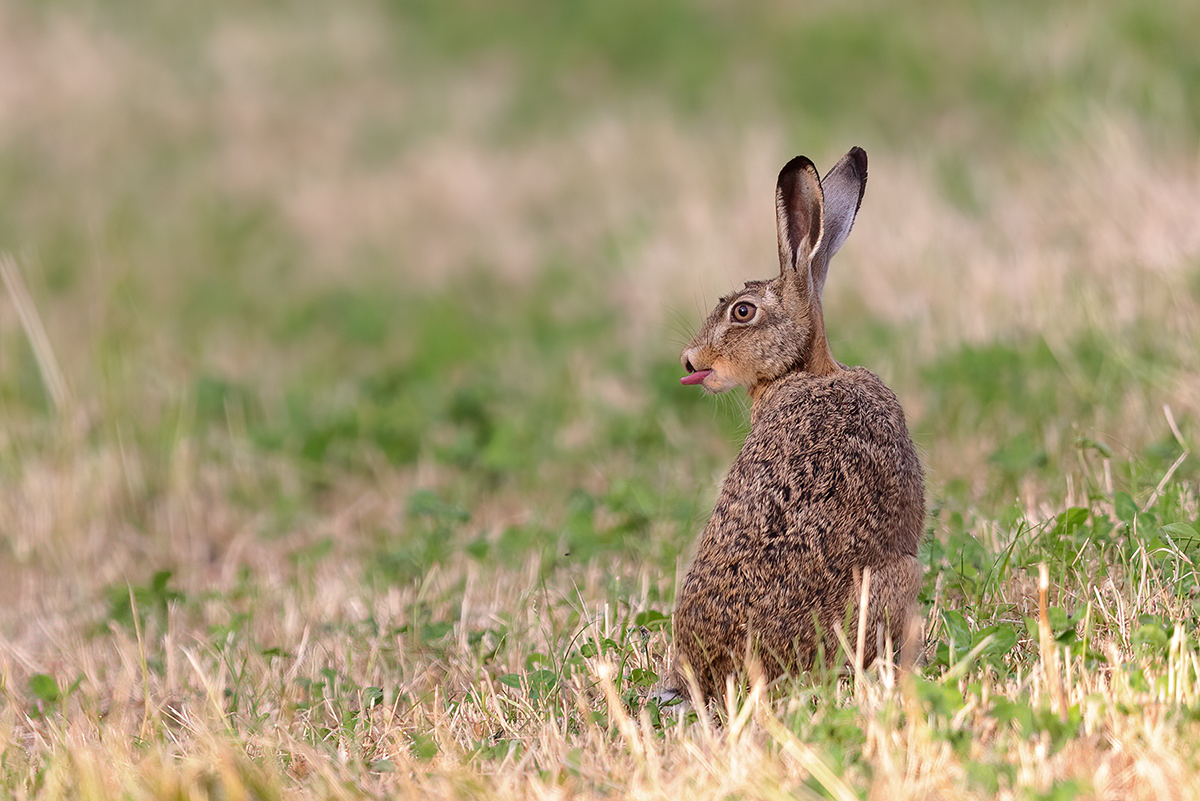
(1017, 71)
(374, 478)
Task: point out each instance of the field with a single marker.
(343, 452)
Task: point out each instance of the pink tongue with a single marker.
(696, 377)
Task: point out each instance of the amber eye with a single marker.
(743, 312)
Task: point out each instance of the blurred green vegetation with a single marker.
(894, 72)
(353, 365)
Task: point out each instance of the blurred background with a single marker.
(405, 282)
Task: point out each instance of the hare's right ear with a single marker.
(843, 186)
(798, 208)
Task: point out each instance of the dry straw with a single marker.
(31, 322)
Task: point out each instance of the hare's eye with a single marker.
(743, 312)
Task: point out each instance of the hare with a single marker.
(827, 486)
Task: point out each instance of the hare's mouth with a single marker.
(696, 378)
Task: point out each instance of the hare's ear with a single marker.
(843, 188)
(798, 206)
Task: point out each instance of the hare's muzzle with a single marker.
(696, 377)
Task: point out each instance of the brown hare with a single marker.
(827, 485)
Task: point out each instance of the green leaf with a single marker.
(573, 761)
(1004, 638)
(652, 620)
(1059, 620)
(1068, 521)
(983, 776)
(1125, 507)
(1152, 637)
(478, 548)
(536, 658)
(45, 688)
(957, 627)
(1184, 534)
(542, 680)
(158, 584)
(1086, 443)
(643, 677)
(423, 747)
(1020, 715)
(1062, 791)
(942, 699)
(510, 680)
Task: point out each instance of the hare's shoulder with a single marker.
(808, 427)
(802, 410)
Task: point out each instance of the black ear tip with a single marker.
(796, 165)
(859, 157)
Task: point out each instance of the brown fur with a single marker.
(827, 484)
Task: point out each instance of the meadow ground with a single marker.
(343, 452)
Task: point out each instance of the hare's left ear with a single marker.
(843, 187)
(798, 208)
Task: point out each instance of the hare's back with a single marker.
(838, 449)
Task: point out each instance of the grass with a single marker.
(343, 449)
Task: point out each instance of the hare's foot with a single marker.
(670, 701)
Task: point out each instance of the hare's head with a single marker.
(770, 328)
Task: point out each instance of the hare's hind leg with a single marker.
(891, 610)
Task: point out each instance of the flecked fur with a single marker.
(827, 484)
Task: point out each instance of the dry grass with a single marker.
(143, 732)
